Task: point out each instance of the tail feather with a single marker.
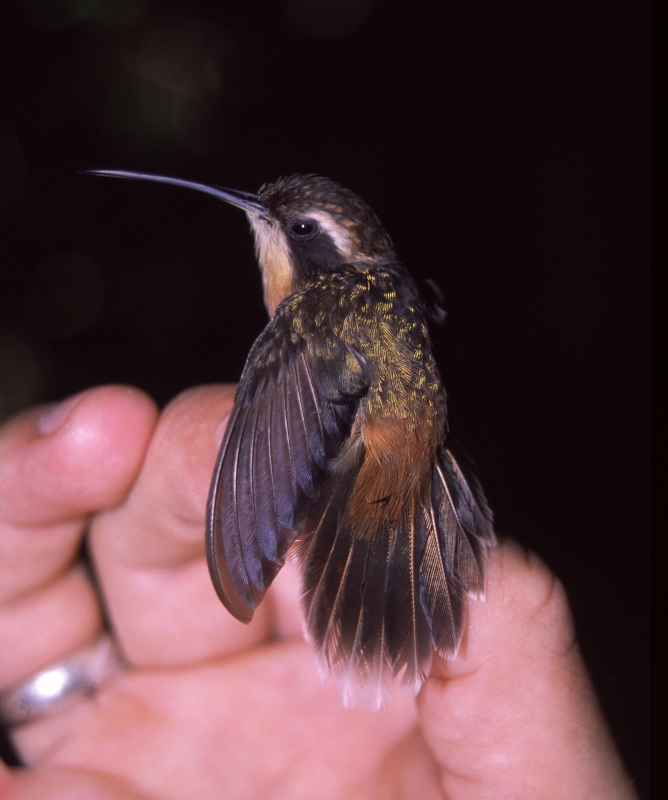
(377, 606)
(324, 551)
(409, 645)
(465, 529)
(441, 594)
(344, 585)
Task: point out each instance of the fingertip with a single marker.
(197, 407)
(55, 416)
(111, 401)
(513, 642)
(525, 595)
(79, 456)
(525, 609)
(104, 434)
(183, 452)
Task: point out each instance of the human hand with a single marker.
(208, 707)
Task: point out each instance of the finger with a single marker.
(515, 714)
(57, 466)
(149, 553)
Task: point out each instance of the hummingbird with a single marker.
(336, 444)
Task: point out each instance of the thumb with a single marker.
(515, 714)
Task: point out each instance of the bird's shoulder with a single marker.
(357, 315)
(356, 302)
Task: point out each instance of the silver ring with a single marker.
(61, 684)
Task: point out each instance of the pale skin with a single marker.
(211, 708)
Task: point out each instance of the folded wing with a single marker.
(293, 410)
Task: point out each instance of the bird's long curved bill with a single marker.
(247, 201)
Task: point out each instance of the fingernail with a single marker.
(57, 415)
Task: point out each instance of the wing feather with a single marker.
(225, 555)
(306, 477)
(263, 484)
(243, 502)
(294, 408)
(281, 456)
(311, 412)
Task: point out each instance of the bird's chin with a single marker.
(273, 255)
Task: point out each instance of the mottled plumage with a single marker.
(337, 441)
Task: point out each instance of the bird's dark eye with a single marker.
(302, 228)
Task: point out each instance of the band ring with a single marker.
(62, 683)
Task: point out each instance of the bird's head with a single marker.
(311, 225)
(303, 226)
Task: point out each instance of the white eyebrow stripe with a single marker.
(337, 233)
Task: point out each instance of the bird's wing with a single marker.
(293, 410)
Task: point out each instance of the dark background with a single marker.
(503, 143)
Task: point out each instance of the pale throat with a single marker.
(273, 255)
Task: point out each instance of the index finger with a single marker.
(149, 553)
(57, 466)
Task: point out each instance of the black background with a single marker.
(503, 143)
